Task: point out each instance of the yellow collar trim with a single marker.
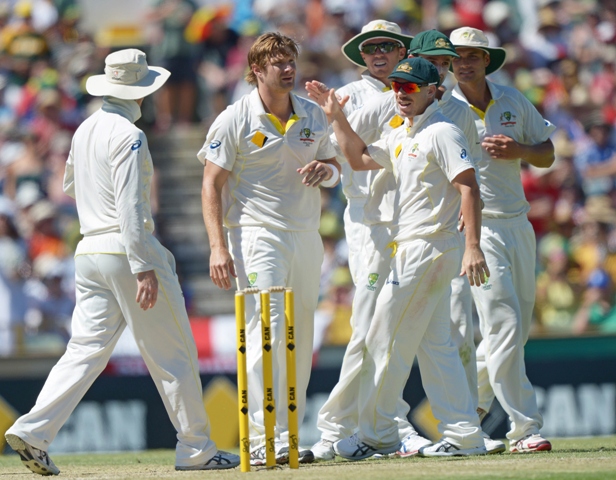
(274, 119)
(479, 112)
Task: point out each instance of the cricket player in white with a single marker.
(264, 156)
(378, 47)
(124, 277)
(379, 116)
(511, 130)
(429, 158)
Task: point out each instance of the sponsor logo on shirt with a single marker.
(391, 281)
(372, 279)
(508, 119)
(463, 154)
(304, 136)
(252, 278)
(414, 150)
(136, 145)
(215, 144)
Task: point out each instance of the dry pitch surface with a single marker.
(579, 458)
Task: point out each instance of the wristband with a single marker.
(333, 179)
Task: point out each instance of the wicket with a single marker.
(269, 405)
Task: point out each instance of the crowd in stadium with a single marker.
(560, 54)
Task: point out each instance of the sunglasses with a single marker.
(384, 47)
(408, 87)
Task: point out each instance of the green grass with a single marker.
(571, 459)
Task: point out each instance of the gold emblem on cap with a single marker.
(466, 34)
(380, 26)
(441, 43)
(405, 67)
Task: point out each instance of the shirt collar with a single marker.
(419, 120)
(496, 91)
(377, 84)
(128, 109)
(257, 104)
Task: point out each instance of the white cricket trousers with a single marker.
(277, 258)
(412, 317)
(105, 294)
(355, 231)
(505, 307)
(338, 417)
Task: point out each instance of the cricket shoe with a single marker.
(411, 444)
(220, 461)
(352, 448)
(446, 449)
(282, 455)
(531, 443)
(257, 456)
(33, 458)
(493, 446)
(323, 450)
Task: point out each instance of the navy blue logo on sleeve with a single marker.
(136, 145)
(463, 154)
(215, 144)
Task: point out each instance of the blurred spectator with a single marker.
(597, 313)
(13, 271)
(51, 307)
(171, 50)
(557, 296)
(45, 238)
(596, 163)
(335, 308)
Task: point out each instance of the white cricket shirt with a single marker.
(424, 159)
(109, 172)
(264, 188)
(509, 113)
(356, 185)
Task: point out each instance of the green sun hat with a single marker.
(416, 70)
(432, 42)
(374, 29)
(467, 37)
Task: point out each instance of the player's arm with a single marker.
(353, 147)
(506, 148)
(129, 154)
(321, 172)
(221, 263)
(473, 262)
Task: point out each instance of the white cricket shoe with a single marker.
(33, 458)
(446, 449)
(531, 443)
(323, 450)
(493, 446)
(352, 448)
(282, 455)
(222, 460)
(411, 444)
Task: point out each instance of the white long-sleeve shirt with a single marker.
(109, 172)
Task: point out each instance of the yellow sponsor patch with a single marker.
(259, 139)
(398, 149)
(396, 121)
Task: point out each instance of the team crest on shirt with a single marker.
(252, 279)
(372, 279)
(414, 150)
(304, 136)
(508, 119)
(486, 286)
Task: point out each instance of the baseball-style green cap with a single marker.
(432, 42)
(416, 70)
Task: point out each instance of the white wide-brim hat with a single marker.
(374, 29)
(468, 37)
(127, 76)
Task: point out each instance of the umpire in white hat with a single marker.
(124, 277)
